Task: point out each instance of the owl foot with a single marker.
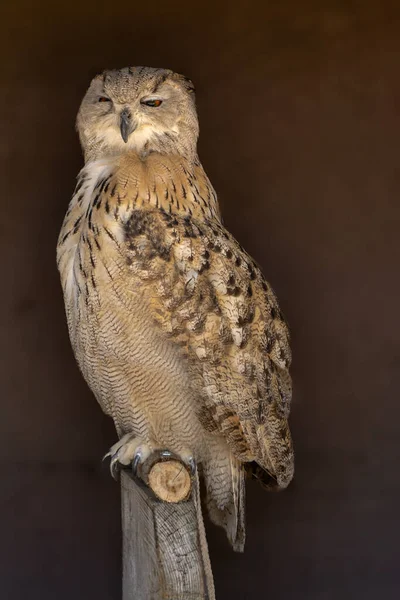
(134, 451)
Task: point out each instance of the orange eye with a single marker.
(152, 103)
(104, 99)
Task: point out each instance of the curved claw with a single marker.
(136, 462)
(114, 467)
(192, 465)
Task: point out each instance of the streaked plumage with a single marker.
(174, 327)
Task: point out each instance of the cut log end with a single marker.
(170, 481)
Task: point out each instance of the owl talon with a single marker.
(192, 465)
(115, 467)
(135, 463)
(131, 451)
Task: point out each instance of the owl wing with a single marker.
(211, 299)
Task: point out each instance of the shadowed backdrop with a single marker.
(299, 116)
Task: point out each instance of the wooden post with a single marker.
(165, 554)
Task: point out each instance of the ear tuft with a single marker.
(189, 85)
(185, 82)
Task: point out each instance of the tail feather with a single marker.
(225, 485)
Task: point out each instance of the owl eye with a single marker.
(104, 99)
(152, 103)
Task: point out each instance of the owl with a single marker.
(175, 329)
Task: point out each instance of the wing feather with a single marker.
(210, 297)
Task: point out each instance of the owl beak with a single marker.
(127, 124)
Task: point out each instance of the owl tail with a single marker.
(225, 483)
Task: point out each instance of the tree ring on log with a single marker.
(170, 481)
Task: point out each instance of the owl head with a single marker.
(139, 109)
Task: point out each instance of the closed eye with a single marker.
(154, 103)
(104, 99)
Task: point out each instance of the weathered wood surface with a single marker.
(165, 554)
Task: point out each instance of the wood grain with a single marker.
(165, 554)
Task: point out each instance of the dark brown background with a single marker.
(300, 128)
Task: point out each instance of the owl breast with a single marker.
(137, 374)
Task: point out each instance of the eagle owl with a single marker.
(172, 323)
